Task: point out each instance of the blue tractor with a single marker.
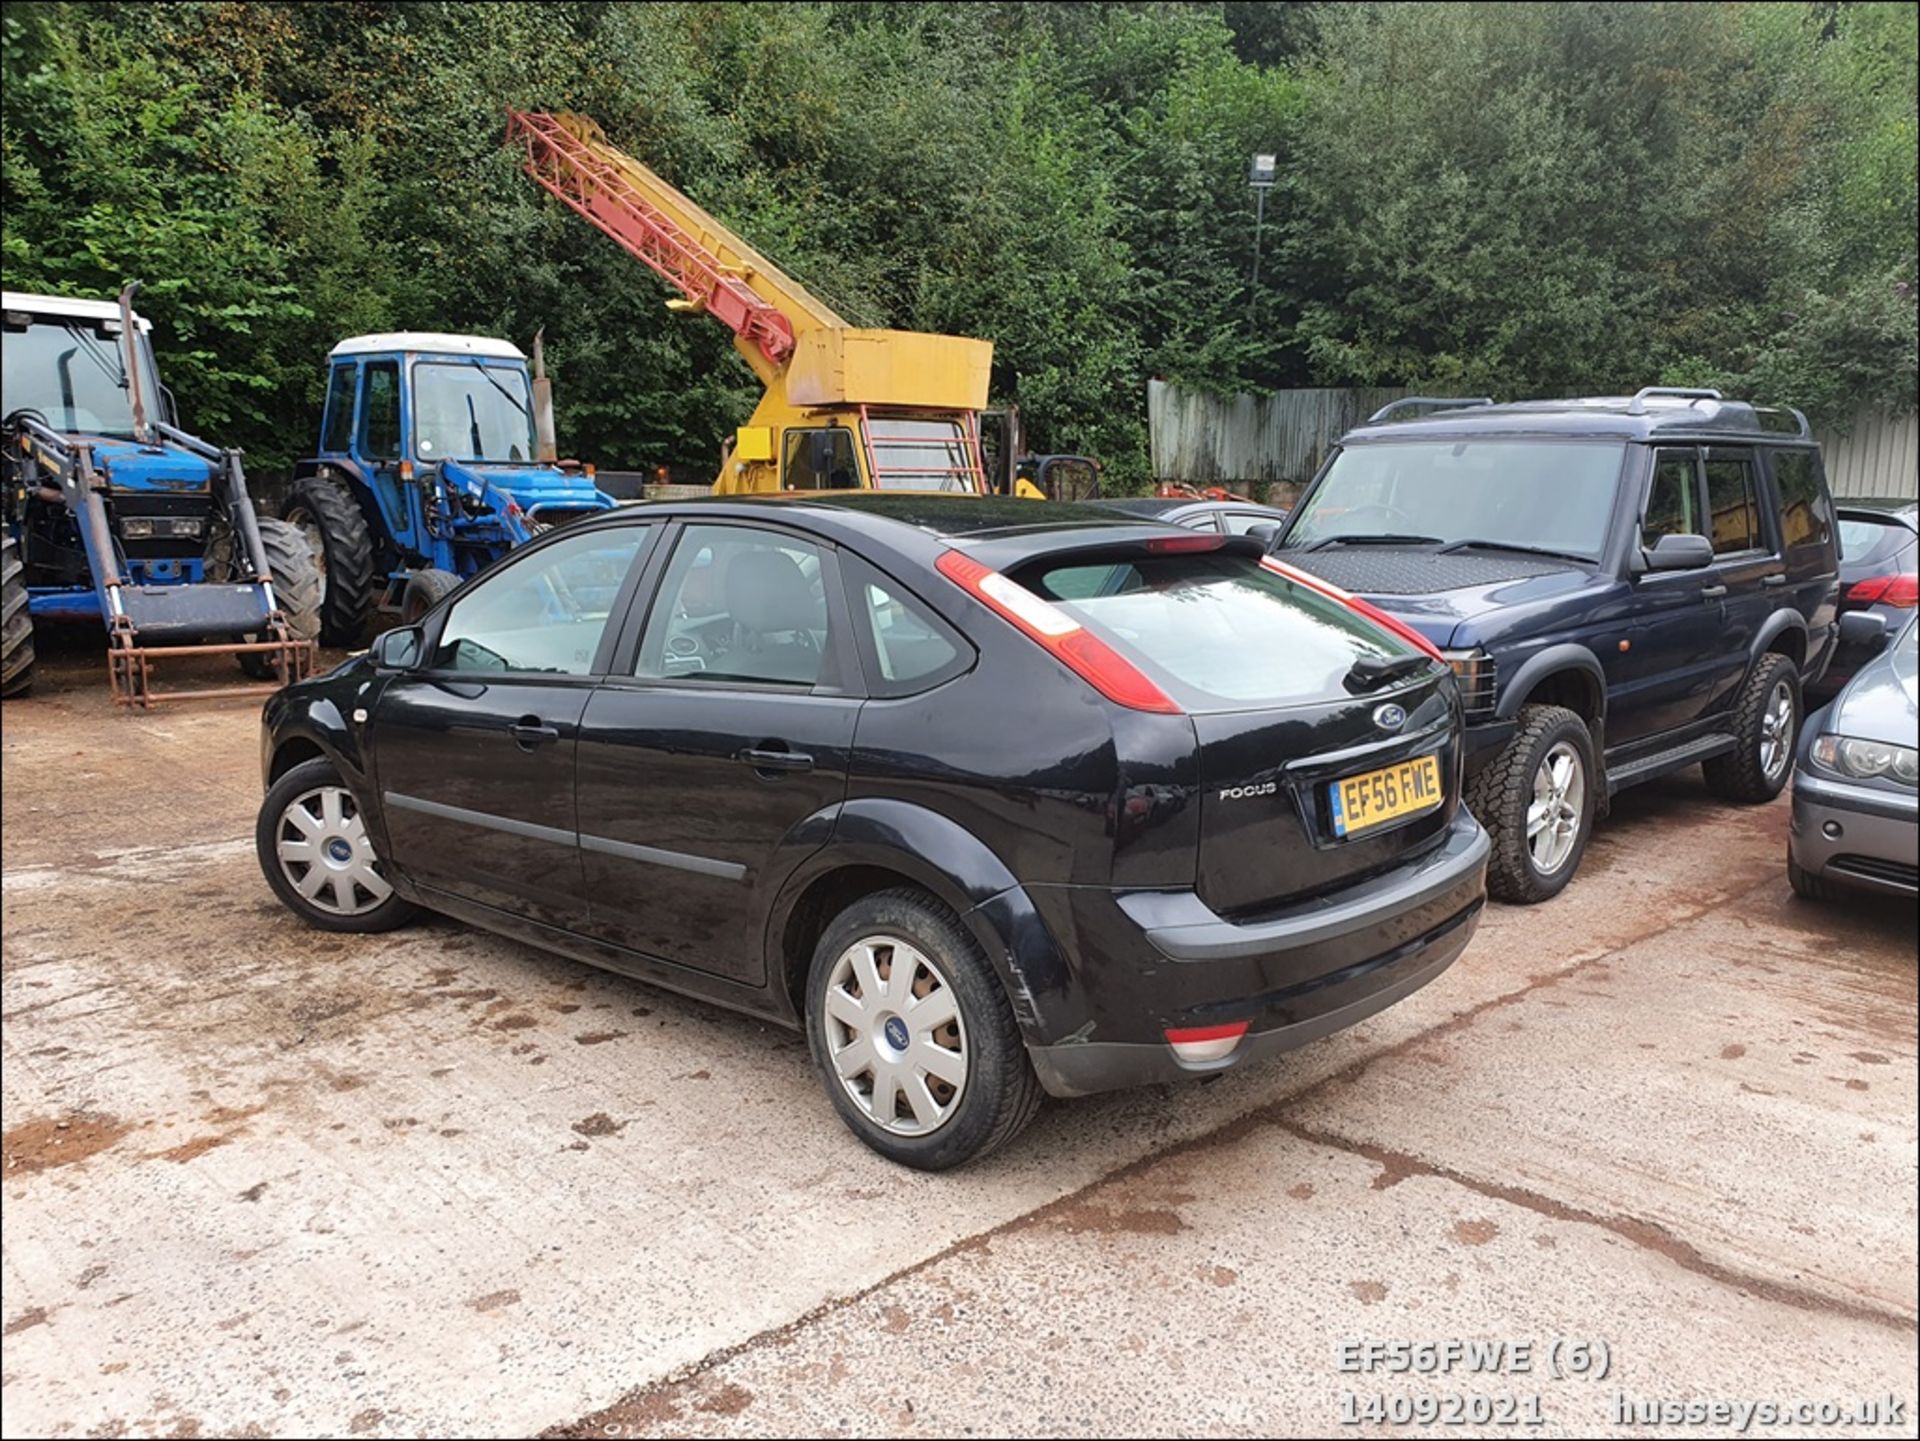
(115, 515)
(436, 457)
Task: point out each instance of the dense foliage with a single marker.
(1527, 199)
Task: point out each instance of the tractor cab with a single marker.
(436, 457)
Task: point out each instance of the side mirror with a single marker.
(1266, 532)
(399, 649)
(1863, 628)
(1679, 552)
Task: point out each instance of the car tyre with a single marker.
(1766, 727)
(884, 971)
(1810, 887)
(318, 858)
(1536, 801)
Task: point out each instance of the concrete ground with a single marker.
(260, 1180)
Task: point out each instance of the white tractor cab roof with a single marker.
(65, 308)
(429, 341)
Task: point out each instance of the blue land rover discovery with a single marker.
(1624, 586)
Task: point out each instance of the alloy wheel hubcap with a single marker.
(1557, 809)
(1776, 730)
(894, 1035)
(326, 855)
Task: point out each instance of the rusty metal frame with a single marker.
(130, 664)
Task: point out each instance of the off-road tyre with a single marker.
(1744, 775)
(296, 587)
(324, 507)
(424, 590)
(16, 622)
(1501, 794)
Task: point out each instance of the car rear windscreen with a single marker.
(1218, 632)
(1871, 540)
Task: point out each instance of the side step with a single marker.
(1621, 774)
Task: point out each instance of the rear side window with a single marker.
(339, 433)
(1217, 632)
(1673, 502)
(1806, 514)
(906, 647)
(1732, 507)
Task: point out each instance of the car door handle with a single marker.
(1773, 580)
(772, 760)
(528, 732)
(1712, 592)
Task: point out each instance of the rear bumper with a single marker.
(1293, 977)
(1856, 835)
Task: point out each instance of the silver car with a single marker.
(1856, 812)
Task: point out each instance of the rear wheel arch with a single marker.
(878, 845)
(1785, 633)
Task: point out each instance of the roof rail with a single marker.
(1445, 402)
(1638, 405)
(1784, 412)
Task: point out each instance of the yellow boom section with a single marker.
(820, 373)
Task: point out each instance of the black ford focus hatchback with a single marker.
(992, 798)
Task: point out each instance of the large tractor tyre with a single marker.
(425, 589)
(1536, 800)
(16, 623)
(326, 511)
(296, 586)
(1766, 725)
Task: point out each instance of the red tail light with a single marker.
(1353, 602)
(1076, 647)
(1896, 590)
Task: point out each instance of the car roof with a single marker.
(1000, 532)
(1880, 507)
(1654, 417)
(1169, 505)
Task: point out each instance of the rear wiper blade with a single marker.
(1373, 670)
(1458, 545)
(1388, 539)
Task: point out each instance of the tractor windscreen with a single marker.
(71, 372)
(465, 410)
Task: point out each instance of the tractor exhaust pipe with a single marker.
(546, 444)
(130, 344)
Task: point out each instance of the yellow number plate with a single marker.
(1362, 802)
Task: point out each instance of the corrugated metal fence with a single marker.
(1203, 439)
(1206, 439)
(1880, 455)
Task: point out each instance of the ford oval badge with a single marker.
(1390, 717)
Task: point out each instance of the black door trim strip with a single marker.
(649, 855)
